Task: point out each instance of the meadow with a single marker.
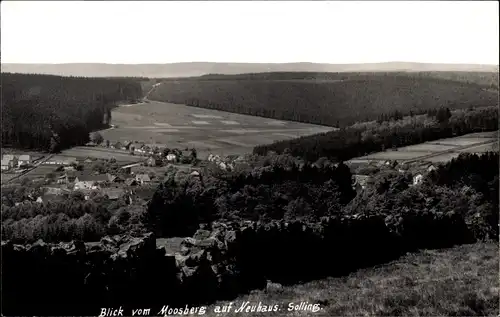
(209, 131)
(83, 152)
(439, 151)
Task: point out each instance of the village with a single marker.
(90, 176)
(61, 175)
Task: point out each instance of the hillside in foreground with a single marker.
(333, 99)
(460, 281)
(201, 68)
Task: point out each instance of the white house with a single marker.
(417, 179)
(90, 181)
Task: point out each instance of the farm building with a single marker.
(143, 179)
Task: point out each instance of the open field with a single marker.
(225, 133)
(461, 281)
(438, 151)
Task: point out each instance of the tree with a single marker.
(97, 138)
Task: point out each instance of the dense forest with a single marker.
(264, 189)
(333, 99)
(47, 112)
(488, 80)
(362, 139)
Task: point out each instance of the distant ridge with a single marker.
(189, 69)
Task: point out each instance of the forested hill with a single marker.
(51, 112)
(334, 99)
(487, 80)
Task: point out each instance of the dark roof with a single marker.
(130, 181)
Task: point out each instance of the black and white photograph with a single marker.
(250, 158)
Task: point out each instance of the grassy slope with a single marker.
(461, 281)
(358, 98)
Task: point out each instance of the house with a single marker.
(143, 179)
(11, 161)
(417, 179)
(6, 165)
(360, 182)
(24, 160)
(8, 157)
(118, 145)
(171, 157)
(140, 149)
(115, 178)
(90, 181)
(431, 168)
(153, 161)
(214, 158)
(88, 160)
(126, 145)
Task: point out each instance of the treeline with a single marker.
(47, 112)
(488, 80)
(362, 139)
(333, 99)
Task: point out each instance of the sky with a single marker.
(255, 32)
